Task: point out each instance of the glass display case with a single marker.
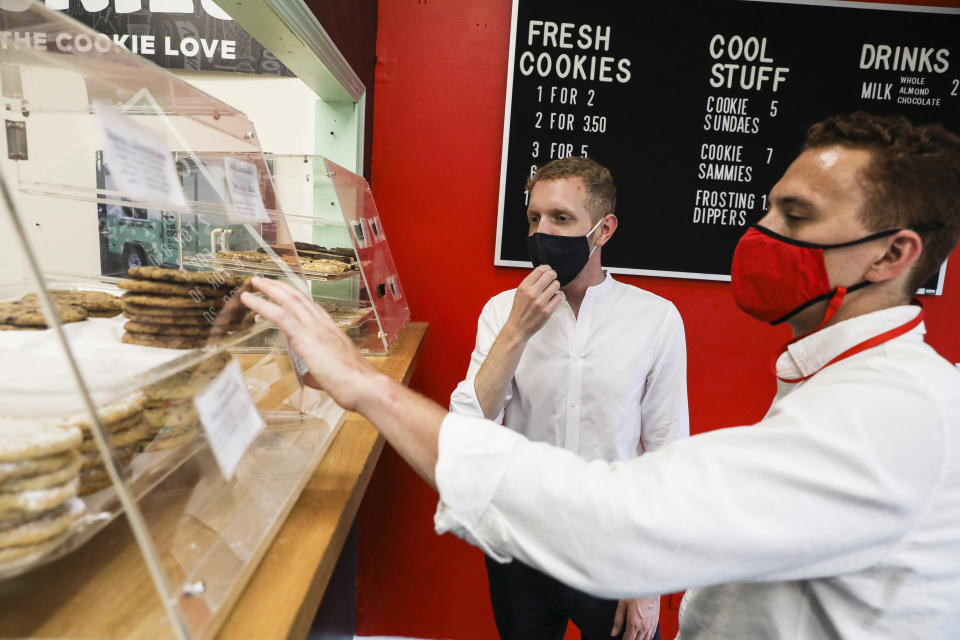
(337, 236)
(153, 434)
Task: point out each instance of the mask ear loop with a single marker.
(832, 307)
(590, 233)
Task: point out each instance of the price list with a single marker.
(732, 124)
(573, 70)
(698, 108)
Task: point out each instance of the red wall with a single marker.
(438, 124)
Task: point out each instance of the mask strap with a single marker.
(827, 296)
(835, 301)
(922, 227)
(832, 307)
(590, 233)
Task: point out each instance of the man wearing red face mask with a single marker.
(551, 363)
(837, 515)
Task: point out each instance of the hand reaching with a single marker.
(334, 363)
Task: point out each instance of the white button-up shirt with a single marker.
(609, 383)
(836, 516)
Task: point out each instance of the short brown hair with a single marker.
(597, 180)
(913, 178)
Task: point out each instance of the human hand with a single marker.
(641, 617)
(335, 364)
(233, 315)
(535, 300)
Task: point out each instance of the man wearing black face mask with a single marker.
(836, 516)
(576, 359)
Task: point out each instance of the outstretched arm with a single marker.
(410, 422)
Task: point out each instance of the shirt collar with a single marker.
(808, 355)
(601, 287)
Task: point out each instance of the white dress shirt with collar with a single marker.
(608, 384)
(836, 516)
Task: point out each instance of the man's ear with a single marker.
(606, 229)
(901, 254)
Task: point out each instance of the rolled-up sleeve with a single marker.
(726, 506)
(467, 493)
(464, 400)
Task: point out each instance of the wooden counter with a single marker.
(285, 591)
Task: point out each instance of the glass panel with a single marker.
(376, 260)
(341, 243)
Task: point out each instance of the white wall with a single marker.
(289, 117)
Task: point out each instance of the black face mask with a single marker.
(567, 255)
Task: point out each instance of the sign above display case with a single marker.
(176, 34)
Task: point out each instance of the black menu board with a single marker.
(698, 107)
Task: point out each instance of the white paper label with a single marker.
(244, 184)
(229, 417)
(140, 161)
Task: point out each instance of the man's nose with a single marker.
(769, 221)
(544, 226)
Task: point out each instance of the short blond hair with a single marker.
(597, 180)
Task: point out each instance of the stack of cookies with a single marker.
(170, 411)
(39, 465)
(176, 309)
(124, 420)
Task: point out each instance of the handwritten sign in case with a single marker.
(698, 108)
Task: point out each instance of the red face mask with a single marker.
(775, 277)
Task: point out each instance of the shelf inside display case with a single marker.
(262, 268)
(349, 318)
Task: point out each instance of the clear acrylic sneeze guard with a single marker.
(333, 208)
(339, 243)
(116, 520)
